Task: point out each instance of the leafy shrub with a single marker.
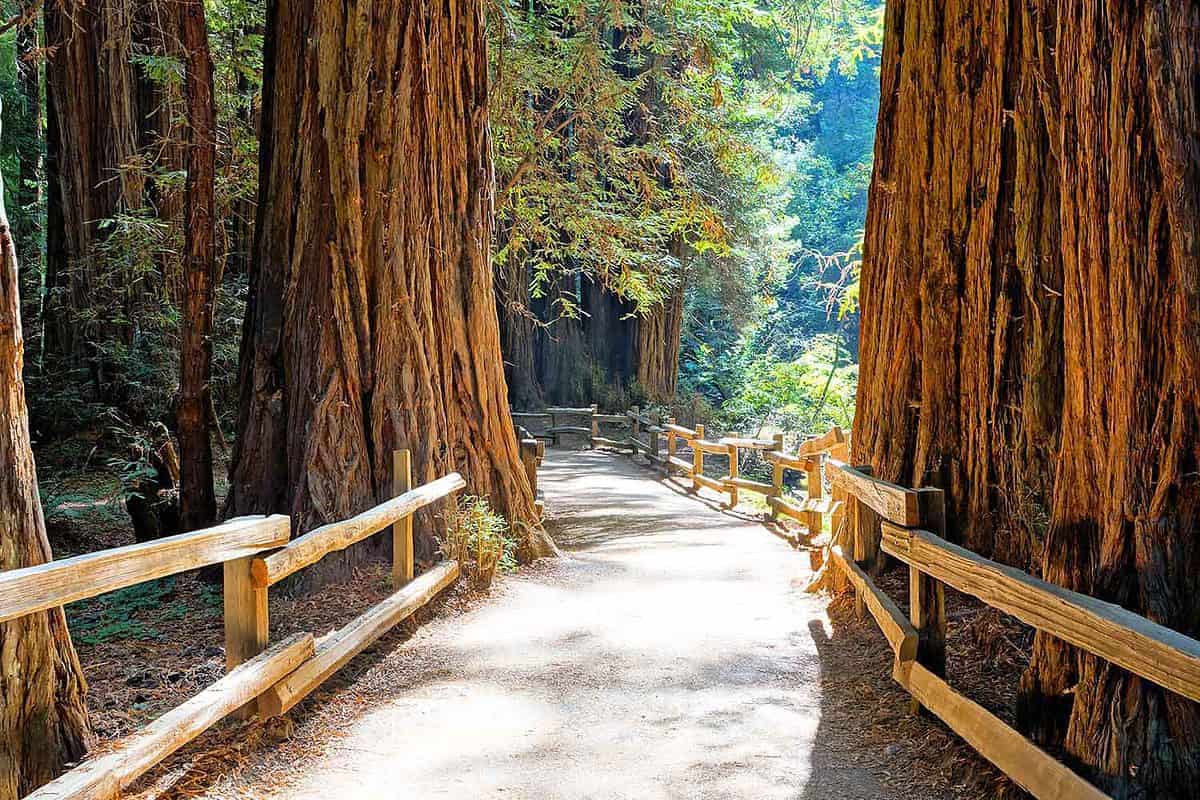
(478, 539)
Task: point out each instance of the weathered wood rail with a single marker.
(256, 552)
(871, 519)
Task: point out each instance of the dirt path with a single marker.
(672, 654)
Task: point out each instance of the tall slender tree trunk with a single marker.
(518, 332)
(92, 99)
(43, 719)
(1126, 513)
(29, 192)
(197, 498)
(658, 338)
(372, 321)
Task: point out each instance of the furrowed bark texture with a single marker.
(1031, 328)
(92, 98)
(197, 497)
(43, 718)
(103, 114)
(960, 354)
(1126, 514)
(658, 338)
(518, 333)
(372, 322)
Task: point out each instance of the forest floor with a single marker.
(672, 652)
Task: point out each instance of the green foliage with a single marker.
(478, 538)
(137, 612)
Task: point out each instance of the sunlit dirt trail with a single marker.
(671, 654)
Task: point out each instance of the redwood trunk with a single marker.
(92, 97)
(1030, 332)
(658, 337)
(43, 719)
(960, 354)
(1126, 514)
(372, 322)
(197, 498)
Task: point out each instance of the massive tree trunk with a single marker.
(197, 498)
(372, 322)
(1031, 332)
(1126, 512)
(43, 719)
(658, 336)
(960, 354)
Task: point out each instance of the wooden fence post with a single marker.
(812, 472)
(402, 530)
(697, 459)
(595, 427)
(636, 429)
(733, 473)
(670, 445)
(927, 596)
(777, 475)
(247, 623)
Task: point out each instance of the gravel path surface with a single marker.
(671, 654)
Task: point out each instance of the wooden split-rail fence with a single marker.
(256, 553)
(871, 517)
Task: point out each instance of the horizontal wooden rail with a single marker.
(710, 447)
(679, 464)
(530, 415)
(1131, 641)
(603, 441)
(791, 460)
(821, 444)
(614, 419)
(642, 418)
(557, 429)
(899, 632)
(1020, 759)
(31, 589)
(711, 483)
(680, 431)
(752, 486)
(564, 410)
(106, 777)
(319, 542)
(334, 650)
(894, 503)
(748, 444)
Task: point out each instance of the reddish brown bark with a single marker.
(1126, 513)
(92, 97)
(960, 354)
(658, 338)
(197, 498)
(43, 718)
(372, 321)
(1031, 332)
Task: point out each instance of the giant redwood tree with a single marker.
(1030, 328)
(372, 323)
(1125, 524)
(960, 339)
(43, 719)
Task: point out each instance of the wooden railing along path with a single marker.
(871, 517)
(256, 552)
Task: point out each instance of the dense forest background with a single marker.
(681, 189)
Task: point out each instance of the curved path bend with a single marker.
(672, 654)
